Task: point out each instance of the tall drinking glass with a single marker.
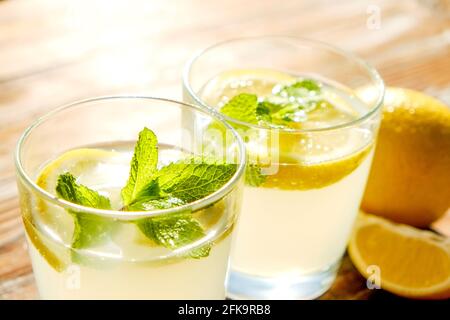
(94, 140)
(314, 161)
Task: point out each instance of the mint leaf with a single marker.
(182, 182)
(299, 89)
(201, 252)
(146, 204)
(148, 194)
(253, 175)
(179, 183)
(242, 107)
(175, 231)
(307, 84)
(143, 166)
(193, 181)
(69, 190)
(264, 111)
(89, 229)
(290, 112)
(289, 103)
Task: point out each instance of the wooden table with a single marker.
(53, 52)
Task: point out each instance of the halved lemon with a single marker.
(412, 263)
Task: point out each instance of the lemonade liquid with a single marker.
(128, 265)
(294, 227)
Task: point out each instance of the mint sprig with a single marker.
(174, 185)
(148, 188)
(289, 103)
(90, 230)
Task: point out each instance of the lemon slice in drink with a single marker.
(304, 176)
(231, 83)
(83, 163)
(412, 263)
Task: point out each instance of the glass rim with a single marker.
(130, 215)
(374, 75)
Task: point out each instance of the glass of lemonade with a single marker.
(122, 198)
(309, 115)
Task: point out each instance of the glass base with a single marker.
(305, 287)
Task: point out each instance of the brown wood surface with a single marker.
(53, 52)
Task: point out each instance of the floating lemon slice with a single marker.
(80, 162)
(412, 263)
(231, 83)
(304, 176)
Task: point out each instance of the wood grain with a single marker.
(53, 52)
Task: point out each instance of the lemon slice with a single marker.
(231, 83)
(412, 263)
(304, 176)
(79, 162)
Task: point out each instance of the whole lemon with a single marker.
(410, 177)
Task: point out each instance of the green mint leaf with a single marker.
(290, 112)
(193, 181)
(288, 103)
(150, 193)
(201, 252)
(147, 204)
(267, 108)
(299, 89)
(143, 166)
(242, 107)
(179, 183)
(90, 230)
(294, 101)
(253, 175)
(307, 84)
(175, 231)
(69, 190)
(264, 110)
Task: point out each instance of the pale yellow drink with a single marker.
(128, 265)
(297, 222)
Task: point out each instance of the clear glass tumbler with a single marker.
(295, 224)
(124, 264)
